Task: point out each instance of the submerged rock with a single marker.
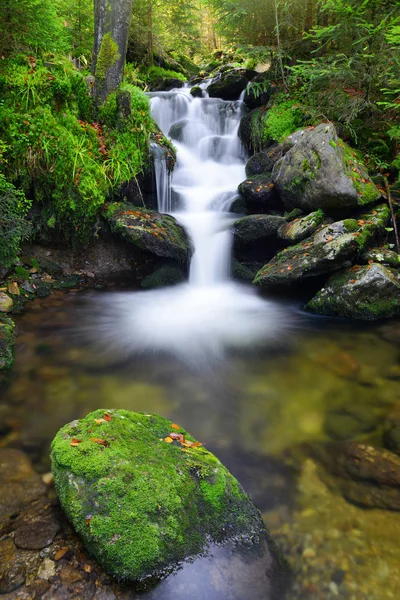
(321, 171)
(228, 87)
(328, 250)
(158, 233)
(370, 292)
(144, 495)
(7, 341)
(301, 228)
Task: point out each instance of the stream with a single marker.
(255, 379)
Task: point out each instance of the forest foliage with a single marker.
(332, 60)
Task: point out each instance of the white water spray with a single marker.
(200, 319)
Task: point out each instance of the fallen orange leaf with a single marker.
(175, 426)
(99, 441)
(62, 552)
(75, 442)
(107, 417)
(168, 440)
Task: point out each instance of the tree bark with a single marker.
(111, 30)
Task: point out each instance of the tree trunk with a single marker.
(309, 15)
(150, 31)
(111, 29)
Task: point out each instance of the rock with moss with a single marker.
(251, 131)
(157, 233)
(196, 91)
(259, 164)
(301, 228)
(331, 248)
(177, 130)
(228, 86)
(256, 237)
(7, 341)
(144, 495)
(168, 273)
(258, 92)
(321, 171)
(382, 255)
(260, 194)
(362, 292)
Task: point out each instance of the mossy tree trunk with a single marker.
(111, 21)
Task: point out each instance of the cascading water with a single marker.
(198, 320)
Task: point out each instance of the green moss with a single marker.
(355, 169)
(21, 272)
(7, 340)
(333, 143)
(108, 56)
(317, 157)
(350, 225)
(139, 503)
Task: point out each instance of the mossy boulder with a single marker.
(361, 292)
(384, 256)
(7, 341)
(301, 228)
(321, 171)
(196, 92)
(168, 273)
(228, 86)
(259, 92)
(152, 231)
(165, 84)
(260, 194)
(251, 131)
(144, 495)
(331, 248)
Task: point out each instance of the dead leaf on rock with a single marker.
(75, 442)
(62, 552)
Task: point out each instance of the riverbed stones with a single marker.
(144, 495)
(321, 171)
(157, 233)
(19, 484)
(362, 292)
(331, 248)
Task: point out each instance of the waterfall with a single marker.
(200, 320)
(210, 166)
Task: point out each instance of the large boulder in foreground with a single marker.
(144, 495)
(321, 171)
(362, 292)
(152, 231)
(331, 248)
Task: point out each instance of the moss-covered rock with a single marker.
(168, 273)
(258, 164)
(259, 92)
(159, 234)
(329, 249)
(301, 228)
(251, 131)
(254, 229)
(228, 86)
(7, 341)
(196, 91)
(177, 130)
(384, 256)
(260, 194)
(144, 495)
(370, 292)
(320, 171)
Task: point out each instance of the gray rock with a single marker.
(228, 86)
(259, 164)
(328, 250)
(19, 484)
(260, 194)
(256, 228)
(321, 171)
(36, 535)
(157, 233)
(365, 292)
(177, 130)
(301, 228)
(383, 256)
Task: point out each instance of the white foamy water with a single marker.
(203, 318)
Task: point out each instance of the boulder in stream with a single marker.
(228, 86)
(260, 194)
(301, 228)
(321, 171)
(362, 292)
(331, 248)
(157, 233)
(144, 495)
(257, 235)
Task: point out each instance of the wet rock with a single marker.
(260, 194)
(157, 233)
(301, 228)
(165, 84)
(47, 569)
(244, 271)
(249, 131)
(365, 475)
(177, 130)
(256, 234)
(239, 207)
(169, 273)
(68, 281)
(6, 303)
(259, 164)
(382, 256)
(196, 92)
(259, 92)
(331, 248)
(19, 484)
(228, 86)
(141, 504)
(369, 293)
(37, 535)
(12, 569)
(321, 171)
(7, 341)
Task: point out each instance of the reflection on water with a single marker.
(254, 411)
